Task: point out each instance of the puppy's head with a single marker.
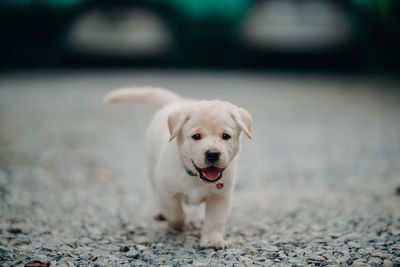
(208, 134)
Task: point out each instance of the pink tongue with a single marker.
(211, 173)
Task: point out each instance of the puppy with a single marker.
(191, 155)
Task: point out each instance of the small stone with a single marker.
(14, 231)
(268, 262)
(272, 249)
(113, 258)
(141, 247)
(315, 257)
(86, 256)
(141, 239)
(343, 259)
(380, 254)
(95, 235)
(292, 261)
(334, 235)
(250, 251)
(377, 260)
(353, 245)
(200, 263)
(363, 251)
(132, 254)
(245, 260)
(112, 247)
(360, 263)
(83, 249)
(354, 255)
(66, 261)
(395, 232)
(338, 254)
(124, 249)
(387, 263)
(270, 255)
(37, 263)
(233, 251)
(85, 240)
(65, 248)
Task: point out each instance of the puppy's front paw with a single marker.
(213, 242)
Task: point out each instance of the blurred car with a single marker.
(224, 33)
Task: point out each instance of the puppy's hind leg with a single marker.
(171, 208)
(159, 216)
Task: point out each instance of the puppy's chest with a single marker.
(195, 197)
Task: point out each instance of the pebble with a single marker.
(200, 263)
(95, 235)
(251, 251)
(387, 263)
(374, 264)
(141, 247)
(132, 254)
(359, 263)
(124, 249)
(86, 256)
(272, 249)
(113, 258)
(343, 260)
(375, 261)
(380, 254)
(245, 260)
(354, 245)
(316, 257)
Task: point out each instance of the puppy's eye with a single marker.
(225, 136)
(196, 136)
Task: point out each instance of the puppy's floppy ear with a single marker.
(176, 120)
(243, 119)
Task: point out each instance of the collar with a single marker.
(188, 172)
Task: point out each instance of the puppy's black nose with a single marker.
(212, 155)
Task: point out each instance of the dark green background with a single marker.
(204, 32)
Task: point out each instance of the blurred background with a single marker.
(241, 34)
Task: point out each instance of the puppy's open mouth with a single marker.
(210, 174)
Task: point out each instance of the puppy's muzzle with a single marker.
(212, 156)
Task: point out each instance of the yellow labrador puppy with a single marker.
(191, 153)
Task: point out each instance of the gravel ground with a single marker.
(316, 186)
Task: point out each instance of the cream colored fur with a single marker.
(170, 145)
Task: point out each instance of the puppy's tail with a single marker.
(147, 95)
